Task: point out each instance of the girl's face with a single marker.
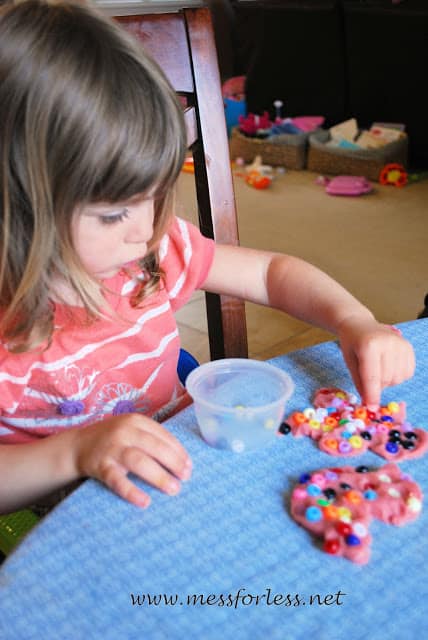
(108, 236)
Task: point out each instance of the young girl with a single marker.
(93, 264)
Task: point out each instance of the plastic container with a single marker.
(239, 403)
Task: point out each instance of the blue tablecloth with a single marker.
(80, 573)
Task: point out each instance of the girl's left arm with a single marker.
(376, 356)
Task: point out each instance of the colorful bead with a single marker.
(331, 475)
(313, 490)
(392, 447)
(331, 443)
(353, 496)
(384, 478)
(360, 529)
(331, 512)
(343, 528)
(345, 447)
(393, 407)
(394, 493)
(298, 418)
(323, 502)
(331, 422)
(344, 513)
(411, 435)
(356, 442)
(370, 494)
(361, 413)
(284, 428)
(269, 423)
(304, 478)
(352, 540)
(330, 493)
(318, 479)
(414, 504)
(408, 444)
(332, 546)
(313, 514)
(314, 424)
(309, 413)
(299, 493)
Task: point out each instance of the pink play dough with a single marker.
(344, 427)
(338, 505)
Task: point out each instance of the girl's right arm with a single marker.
(106, 450)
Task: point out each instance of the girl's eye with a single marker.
(115, 218)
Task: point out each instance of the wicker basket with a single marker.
(285, 150)
(359, 162)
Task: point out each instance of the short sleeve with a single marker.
(185, 258)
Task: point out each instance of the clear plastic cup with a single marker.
(239, 403)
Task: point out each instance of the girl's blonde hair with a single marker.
(85, 116)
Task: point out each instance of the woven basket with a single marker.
(285, 150)
(357, 162)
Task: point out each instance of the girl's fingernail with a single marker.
(186, 472)
(372, 407)
(173, 487)
(143, 502)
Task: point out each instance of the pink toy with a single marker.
(345, 185)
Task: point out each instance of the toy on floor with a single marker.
(345, 185)
(338, 505)
(393, 174)
(343, 427)
(188, 165)
(256, 174)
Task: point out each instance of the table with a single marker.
(227, 532)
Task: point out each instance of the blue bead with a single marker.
(313, 514)
(346, 434)
(313, 490)
(352, 540)
(387, 419)
(304, 478)
(392, 447)
(370, 494)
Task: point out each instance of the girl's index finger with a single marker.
(371, 379)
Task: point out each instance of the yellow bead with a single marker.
(393, 407)
(356, 442)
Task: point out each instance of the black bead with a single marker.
(411, 435)
(344, 485)
(329, 493)
(408, 444)
(365, 435)
(284, 428)
(362, 469)
(394, 433)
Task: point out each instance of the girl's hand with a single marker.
(377, 356)
(110, 449)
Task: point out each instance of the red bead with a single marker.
(332, 546)
(343, 528)
(336, 469)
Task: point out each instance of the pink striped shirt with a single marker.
(107, 367)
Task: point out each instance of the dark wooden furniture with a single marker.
(182, 42)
